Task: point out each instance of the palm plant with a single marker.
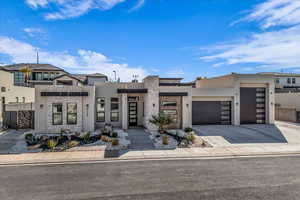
(27, 72)
(161, 121)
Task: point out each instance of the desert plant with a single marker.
(86, 137)
(191, 137)
(51, 144)
(165, 140)
(115, 142)
(73, 143)
(161, 121)
(114, 135)
(188, 129)
(30, 139)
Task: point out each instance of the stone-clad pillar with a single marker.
(124, 111)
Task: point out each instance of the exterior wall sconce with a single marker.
(271, 103)
(237, 103)
(154, 105)
(41, 106)
(187, 105)
(87, 109)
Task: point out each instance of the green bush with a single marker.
(161, 121)
(28, 136)
(51, 144)
(115, 142)
(188, 129)
(114, 135)
(165, 140)
(30, 139)
(86, 137)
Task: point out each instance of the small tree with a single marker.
(161, 121)
(27, 72)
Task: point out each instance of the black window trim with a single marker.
(68, 122)
(53, 114)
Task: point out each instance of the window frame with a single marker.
(115, 111)
(57, 113)
(71, 114)
(288, 80)
(293, 80)
(98, 102)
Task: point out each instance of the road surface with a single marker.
(223, 179)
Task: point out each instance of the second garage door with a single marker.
(211, 112)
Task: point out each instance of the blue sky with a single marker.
(170, 38)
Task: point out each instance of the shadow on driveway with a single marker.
(256, 133)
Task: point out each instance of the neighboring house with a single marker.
(42, 74)
(287, 96)
(10, 93)
(232, 99)
(79, 79)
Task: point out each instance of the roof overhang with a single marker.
(172, 94)
(132, 91)
(64, 94)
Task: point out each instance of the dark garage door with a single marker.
(211, 112)
(252, 105)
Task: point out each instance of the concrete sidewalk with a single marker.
(81, 156)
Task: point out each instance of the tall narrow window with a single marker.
(71, 113)
(100, 110)
(114, 109)
(294, 80)
(57, 114)
(17, 99)
(23, 98)
(288, 80)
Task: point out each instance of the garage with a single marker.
(211, 112)
(252, 105)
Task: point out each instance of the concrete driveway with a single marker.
(9, 139)
(222, 135)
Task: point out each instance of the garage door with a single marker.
(253, 105)
(211, 112)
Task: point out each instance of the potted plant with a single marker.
(161, 121)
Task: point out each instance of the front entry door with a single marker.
(132, 113)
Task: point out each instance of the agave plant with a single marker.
(161, 121)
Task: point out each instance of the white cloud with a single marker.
(70, 8)
(85, 61)
(138, 5)
(33, 32)
(276, 49)
(276, 12)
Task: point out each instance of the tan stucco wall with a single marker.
(218, 82)
(85, 109)
(288, 100)
(66, 78)
(12, 91)
(286, 114)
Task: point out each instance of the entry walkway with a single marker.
(139, 139)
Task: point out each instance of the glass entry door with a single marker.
(132, 113)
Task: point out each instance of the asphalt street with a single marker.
(276, 178)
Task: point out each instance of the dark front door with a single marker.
(132, 113)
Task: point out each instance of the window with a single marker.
(294, 80)
(100, 110)
(3, 89)
(19, 78)
(277, 80)
(71, 113)
(288, 80)
(17, 99)
(57, 114)
(114, 109)
(169, 103)
(23, 98)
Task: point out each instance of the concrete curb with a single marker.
(146, 158)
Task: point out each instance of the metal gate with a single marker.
(18, 119)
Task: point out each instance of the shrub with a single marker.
(73, 143)
(161, 121)
(52, 144)
(188, 129)
(114, 135)
(115, 142)
(30, 139)
(86, 137)
(165, 140)
(191, 137)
